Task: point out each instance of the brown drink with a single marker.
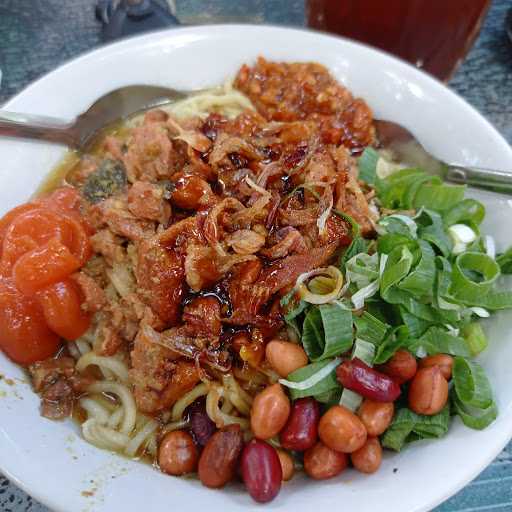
(434, 35)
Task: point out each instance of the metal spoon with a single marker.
(125, 101)
(407, 149)
(111, 107)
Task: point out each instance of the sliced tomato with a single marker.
(43, 266)
(61, 307)
(24, 334)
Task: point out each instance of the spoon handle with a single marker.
(28, 126)
(488, 179)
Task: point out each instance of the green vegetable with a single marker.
(475, 337)
(358, 245)
(387, 349)
(472, 394)
(436, 340)
(367, 165)
(408, 426)
(420, 282)
(293, 308)
(495, 301)
(316, 379)
(438, 197)
(431, 229)
(399, 189)
(415, 325)
(327, 331)
(412, 188)
(468, 211)
(109, 179)
(370, 328)
(473, 275)
(397, 267)
(399, 225)
(504, 260)
(362, 269)
(477, 419)
(471, 384)
(364, 351)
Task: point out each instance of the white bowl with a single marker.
(50, 460)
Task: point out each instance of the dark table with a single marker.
(38, 35)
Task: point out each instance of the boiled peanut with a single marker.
(341, 430)
(285, 357)
(287, 464)
(270, 411)
(369, 457)
(177, 453)
(402, 366)
(376, 416)
(428, 392)
(320, 462)
(444, 361)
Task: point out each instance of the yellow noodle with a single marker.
(135, 443)
(220, 418)
(95, 409)
(187, 399)
(104, 437)
(125, 395)
(115, 366)
(115, 418)
(175, 425)
(224, 100)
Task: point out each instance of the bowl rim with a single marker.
(49, 499)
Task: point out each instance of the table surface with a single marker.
(38, 35)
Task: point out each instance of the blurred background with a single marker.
(38, 35)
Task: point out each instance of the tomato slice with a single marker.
(24, 335)
(61, 307)
(43, 266)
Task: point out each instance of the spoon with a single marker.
(407, 149)
(125, 101)
(111, 107)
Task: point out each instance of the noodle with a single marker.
(125, 395)
(187, 399)
(224, 100)
(116, 367)
(175, 425)
(95, 410)
(115, 418)
(102, 436)
(237, 396)
(134, 444)
(220, 418)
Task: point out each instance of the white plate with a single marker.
(49, 459)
